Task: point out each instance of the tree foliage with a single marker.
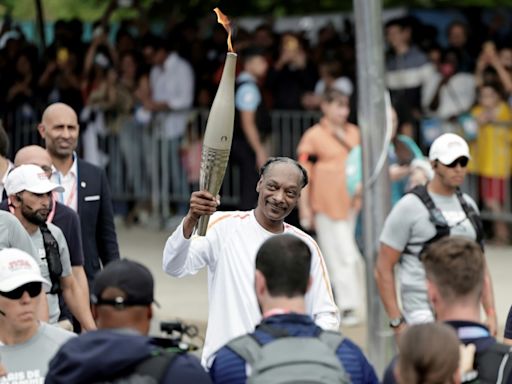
(89, 10)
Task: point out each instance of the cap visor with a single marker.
(451, 157)
(46, 187)
(17, 281)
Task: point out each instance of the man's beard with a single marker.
(35, 217)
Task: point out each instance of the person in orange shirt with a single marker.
(325, 204)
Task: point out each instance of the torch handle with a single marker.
(213, 166)
(202, 225)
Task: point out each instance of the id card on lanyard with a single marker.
(72, 196)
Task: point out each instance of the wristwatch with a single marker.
(396, 322)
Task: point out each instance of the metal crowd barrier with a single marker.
(22, 129)
(143, 167)
(157, 170)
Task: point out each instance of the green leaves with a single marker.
(91, 10)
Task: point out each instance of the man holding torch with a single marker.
(229, 243)
(229, 250)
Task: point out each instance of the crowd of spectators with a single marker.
(72, 70)
(123, 83)
(79, 73)
(112, 81)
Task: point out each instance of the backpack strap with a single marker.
(332, 339)
(247, 347)
(495, 363)
(157, 364)
(52, 253)
(505, 368)
(473, 217)
(435, 215)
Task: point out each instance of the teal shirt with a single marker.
(354, 168)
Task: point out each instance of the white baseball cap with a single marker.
(18, 268)
(29, 177)
(447, 148)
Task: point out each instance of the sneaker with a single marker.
(349, 318)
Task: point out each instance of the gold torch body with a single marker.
(218, 136)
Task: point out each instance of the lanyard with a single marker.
(74, 188)
(49, 219)
(72, 193)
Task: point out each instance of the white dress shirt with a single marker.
(173, 83)
(70, 183)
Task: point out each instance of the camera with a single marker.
(175, 330)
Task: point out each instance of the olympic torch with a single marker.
(219, 128)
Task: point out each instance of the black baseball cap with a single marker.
(134, 279)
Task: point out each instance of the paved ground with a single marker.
(186, 298)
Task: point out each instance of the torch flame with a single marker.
(223, 19)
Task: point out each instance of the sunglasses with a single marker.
(33, 290)
(462, 161)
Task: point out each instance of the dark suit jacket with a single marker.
(96, 218)
(69, 223)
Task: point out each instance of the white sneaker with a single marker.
(349, 318)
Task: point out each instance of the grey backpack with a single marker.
(289, 359)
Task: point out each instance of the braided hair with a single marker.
(274, 160)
